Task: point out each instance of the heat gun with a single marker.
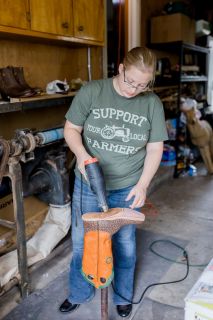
(96, 180)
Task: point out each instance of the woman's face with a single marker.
(132, 81)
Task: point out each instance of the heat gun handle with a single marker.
(96, 180)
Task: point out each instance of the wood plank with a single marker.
(42, 96)
(37, 36)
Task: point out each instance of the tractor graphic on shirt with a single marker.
(110, 132)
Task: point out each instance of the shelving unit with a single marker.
(41, 101)
(189, 80)
(194, 58)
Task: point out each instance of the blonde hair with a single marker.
(142, 58)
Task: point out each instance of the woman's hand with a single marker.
(72, 135)
(139, 194)
(153, 157)
(80, 163)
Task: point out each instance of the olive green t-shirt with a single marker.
(116, 129)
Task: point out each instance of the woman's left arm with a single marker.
(152, 161)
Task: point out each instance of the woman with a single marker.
(121, 122)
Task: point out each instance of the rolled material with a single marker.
(51, 135)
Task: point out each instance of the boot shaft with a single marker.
(8, 79)
(18, 73)
(9, 87)
(20, 78)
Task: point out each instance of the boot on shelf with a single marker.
(20, 78)
(9, 87)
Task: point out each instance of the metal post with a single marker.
(104, 304)
(15, 175)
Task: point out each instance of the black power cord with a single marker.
(151, 247)
(185, 255)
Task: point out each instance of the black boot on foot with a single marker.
(68, 306)
(124, 311)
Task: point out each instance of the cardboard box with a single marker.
(172, 27)
(35, 212)
(199, 301)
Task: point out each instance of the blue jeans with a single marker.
(123, 243)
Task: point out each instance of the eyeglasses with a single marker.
(141, 87)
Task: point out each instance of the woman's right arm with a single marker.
(72, 135)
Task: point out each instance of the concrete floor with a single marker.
(184, 216)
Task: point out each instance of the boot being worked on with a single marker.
(97, 263)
